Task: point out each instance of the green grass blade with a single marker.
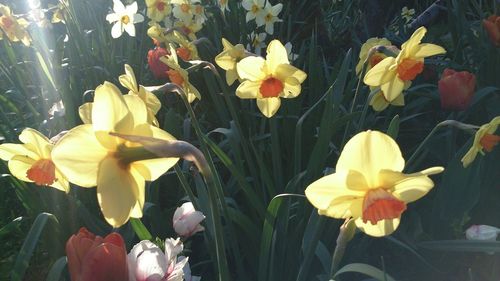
(365, 269)
(57, 269)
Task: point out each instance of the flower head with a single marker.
(184, 10)
(456, 89)
(482, 232)
(186, 220)
(228, 59)
(93, 258)
(492, 26)
(124, 18)
(254, 7)
(179, 76)
(379, 103)
(257, 42)
(187, 50)
(14, 28)
(158, 9)
(146, 261)
(369, 186)
(407, 14)
(268, 16)
(269, 79)
(158, 68)
(485, 138)
(90, 156)
(32, 162)
(393, 75)
(366, 53)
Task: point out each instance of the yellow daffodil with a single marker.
(375, 57)
(158, 9)
(189, 28)
(153, 104)
(379, 103)
(89, 156)
(179, 76)
(187, 50)
(392, 75)
(369, 186)
(184, 9)
(228, 59)
(31, 161)
(269, 79)
(14, 28)
(485, 138)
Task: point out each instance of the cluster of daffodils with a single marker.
(266, 80)
(391, 72)
(13, 27)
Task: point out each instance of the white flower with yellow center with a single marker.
(268, 16)
(254, 7)
(124, 18)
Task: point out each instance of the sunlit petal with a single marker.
(382, 228)
(268, 106)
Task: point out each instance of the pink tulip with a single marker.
(456, 89)
(187, 220)
(92, 258)
(492, 26)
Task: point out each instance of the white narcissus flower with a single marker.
(268, 16)
(187, 271)
(147, 262)
(291, 56)
(253, 7)
(257, 42)
(124, 18)
(187, 220)
(482, 232)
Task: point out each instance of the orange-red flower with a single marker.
(456, 89)
(492, 26)
(93, 258)
(158, 68)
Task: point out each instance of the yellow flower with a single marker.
(158, 9)
(179, 76)
(379, 103)
(228, 59)
(189, 28)
(15, 29)
(369, 186)
(393, 75)
(269, 79)
(89, 156)
(485, 138)
(187, 50)
(31, 161)
(374, 58)
(153, 104)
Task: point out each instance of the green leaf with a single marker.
(6, 229)
(57, 269)
(393, 129)
(140, 229)
(365, 269)
(24, 256)
(462, 246)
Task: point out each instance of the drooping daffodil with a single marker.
(179, 76)
(90, 156)
(124, 18)
(369, 186)
(228, 58)
(32, 161)
(393, 75)
(485, 139)
(269, 79)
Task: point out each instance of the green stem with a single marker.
(276, 155)
(311, 249)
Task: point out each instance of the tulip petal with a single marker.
(249, 90)
(382, 228)
(118, 191)
(36, 142)
(369, 152)
(252, 68)
(106, 262)
(77, 155)
(276, 55)
(268, 106)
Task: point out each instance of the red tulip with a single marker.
(492, 26)
(158, 68)
(92, 258)
(456, 89)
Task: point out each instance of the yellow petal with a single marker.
(85, 112)
(226, 44)
(225, 61)
(193, 93)
(137, 109)
(61, 182)
(414, 40)
(252, 68)
(9, 150)
(283, 71)
(36, 142)
(378, 102)
(276, 55)
(399, 100)
(382, 228)
(77, 155)
(369, 152)
(324, 191)
(128, 79)
(109, 111)
(343, 208)
(393, 88)
(291, 88)
(249, 90)
(19, 165)
(380, 73)
(152, 169)
(117, 191)
(231, 76)
(427, 50)
(268, 106)
(151, 100)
